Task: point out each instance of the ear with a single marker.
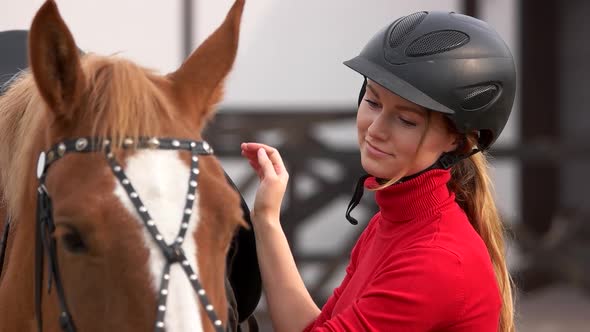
(55, 61)
(199, 79)
(457, 142)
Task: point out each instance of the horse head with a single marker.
(134, 216)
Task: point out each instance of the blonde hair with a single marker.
(473, 189)
(472, 185)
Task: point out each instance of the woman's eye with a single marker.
(371, 103)
(407, 123)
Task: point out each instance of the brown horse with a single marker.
(111, 197)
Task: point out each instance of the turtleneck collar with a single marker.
(420, 196)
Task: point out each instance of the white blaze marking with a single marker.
(161, 180)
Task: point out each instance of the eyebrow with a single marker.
(411, 109)
(372, 90)
(401, 107)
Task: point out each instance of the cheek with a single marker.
(363, 122)
(432, 147)
(406, 141)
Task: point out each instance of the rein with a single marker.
(173, 252)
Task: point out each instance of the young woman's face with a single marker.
(389, 132)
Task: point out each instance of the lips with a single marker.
(375, 150)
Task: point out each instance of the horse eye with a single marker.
(73, 242)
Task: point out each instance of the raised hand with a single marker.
(268, 164)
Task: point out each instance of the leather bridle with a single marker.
(173, 252)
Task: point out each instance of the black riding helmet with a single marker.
(446, 62)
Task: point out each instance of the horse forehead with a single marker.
(161, 180)
(158, 169)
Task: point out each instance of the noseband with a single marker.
(173, 252)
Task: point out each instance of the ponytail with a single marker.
(473, 189)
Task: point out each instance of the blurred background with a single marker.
(290, 89)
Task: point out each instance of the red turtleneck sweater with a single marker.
(418, 266)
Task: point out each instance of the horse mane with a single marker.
(121, 100)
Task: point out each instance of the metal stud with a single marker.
(188, 211)
(128, 142)
(184, 225)
(125, 181)
(195, 158)
(217, 323)
(164, 292)
(193, 183)
(193, 276)
(81, 144)
(117, 168)
(207, 147)
(185, 262)
(106, 143)
(133, 194)
(179, 239)
(159, 237)
(153, 143)
(50, 156)
(175, 143)
(209, 307)
(195, 170)
(110, 155)
(142, 209)
(190, 197)
(162, 308)
(166, 276)
(160, 324)
(41, 165)
(151, 223)
(61, 149)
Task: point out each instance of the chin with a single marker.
(378, 169)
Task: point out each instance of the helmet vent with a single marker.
(437, 42)
(404, 27)
(478, 97)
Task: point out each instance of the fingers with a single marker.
(251, 149)
(265, 163)
(264, 158)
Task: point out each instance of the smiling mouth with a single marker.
(377, 150)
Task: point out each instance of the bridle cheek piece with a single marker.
(173, 252)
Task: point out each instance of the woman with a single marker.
(438, 89)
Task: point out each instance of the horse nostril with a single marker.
(73, 242)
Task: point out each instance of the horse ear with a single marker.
(200, 77)
(55, 61)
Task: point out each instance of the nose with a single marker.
(379, 128)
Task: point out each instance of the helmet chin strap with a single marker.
(446, 161)
(363, 90)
